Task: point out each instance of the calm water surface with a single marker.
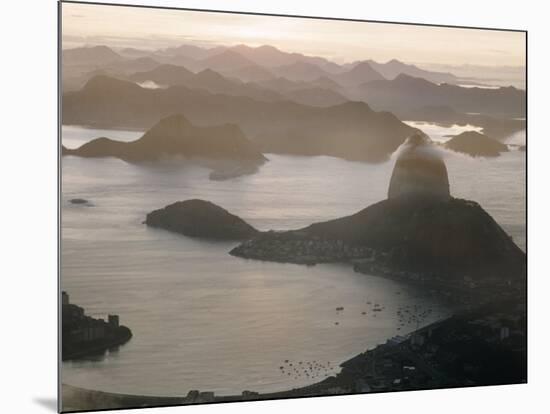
(205, 320)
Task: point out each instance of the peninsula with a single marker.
(420, 232)
(83, 336)
(221, 146)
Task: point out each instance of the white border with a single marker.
(29, 177)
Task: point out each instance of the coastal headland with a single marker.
(84, 336)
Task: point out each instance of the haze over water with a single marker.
(203, 319)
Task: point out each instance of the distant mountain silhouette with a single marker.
(175, 136)
(181, 60)
(351, 130)
(283, 85)
(227, 60)
(96, 55)
(259, 62)
(326, 83)
(75, 75)
(316, 97)
(476, 145)
(406, 93)
(253, 73)
(192, 51)
(300, 71)
(320, 92)
(268, 56)
(165, 74)
(271, 57)
(216, 83)
(394, 68)
(361, 73)
(132, 52)
(171, 75)
(132, 65)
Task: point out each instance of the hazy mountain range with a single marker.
(248, 63)
(284, 102)
(406, 92)
(350, 130)
(315, 93)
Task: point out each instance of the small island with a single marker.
(475, 144)
(80, 202)
(199, 218)
(83, 336)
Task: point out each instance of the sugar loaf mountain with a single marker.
(174, 136)
(419, 232)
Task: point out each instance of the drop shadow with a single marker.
(47, 402)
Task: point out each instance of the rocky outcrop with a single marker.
(84, 336)
(199, 218)
(476, 145)
(419, 172)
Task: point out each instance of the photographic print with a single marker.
(258, 207)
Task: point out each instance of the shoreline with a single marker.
(97, 399)
(123, 336)
(367, 372)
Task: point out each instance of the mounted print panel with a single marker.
(260, 207)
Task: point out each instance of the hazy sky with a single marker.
(341, 41)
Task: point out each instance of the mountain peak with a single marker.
(360, 73)
(419, 171)
(174, 120)
(365, 68)
(267, 47)
(168, 127)
(90, 54)
(209, 74)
